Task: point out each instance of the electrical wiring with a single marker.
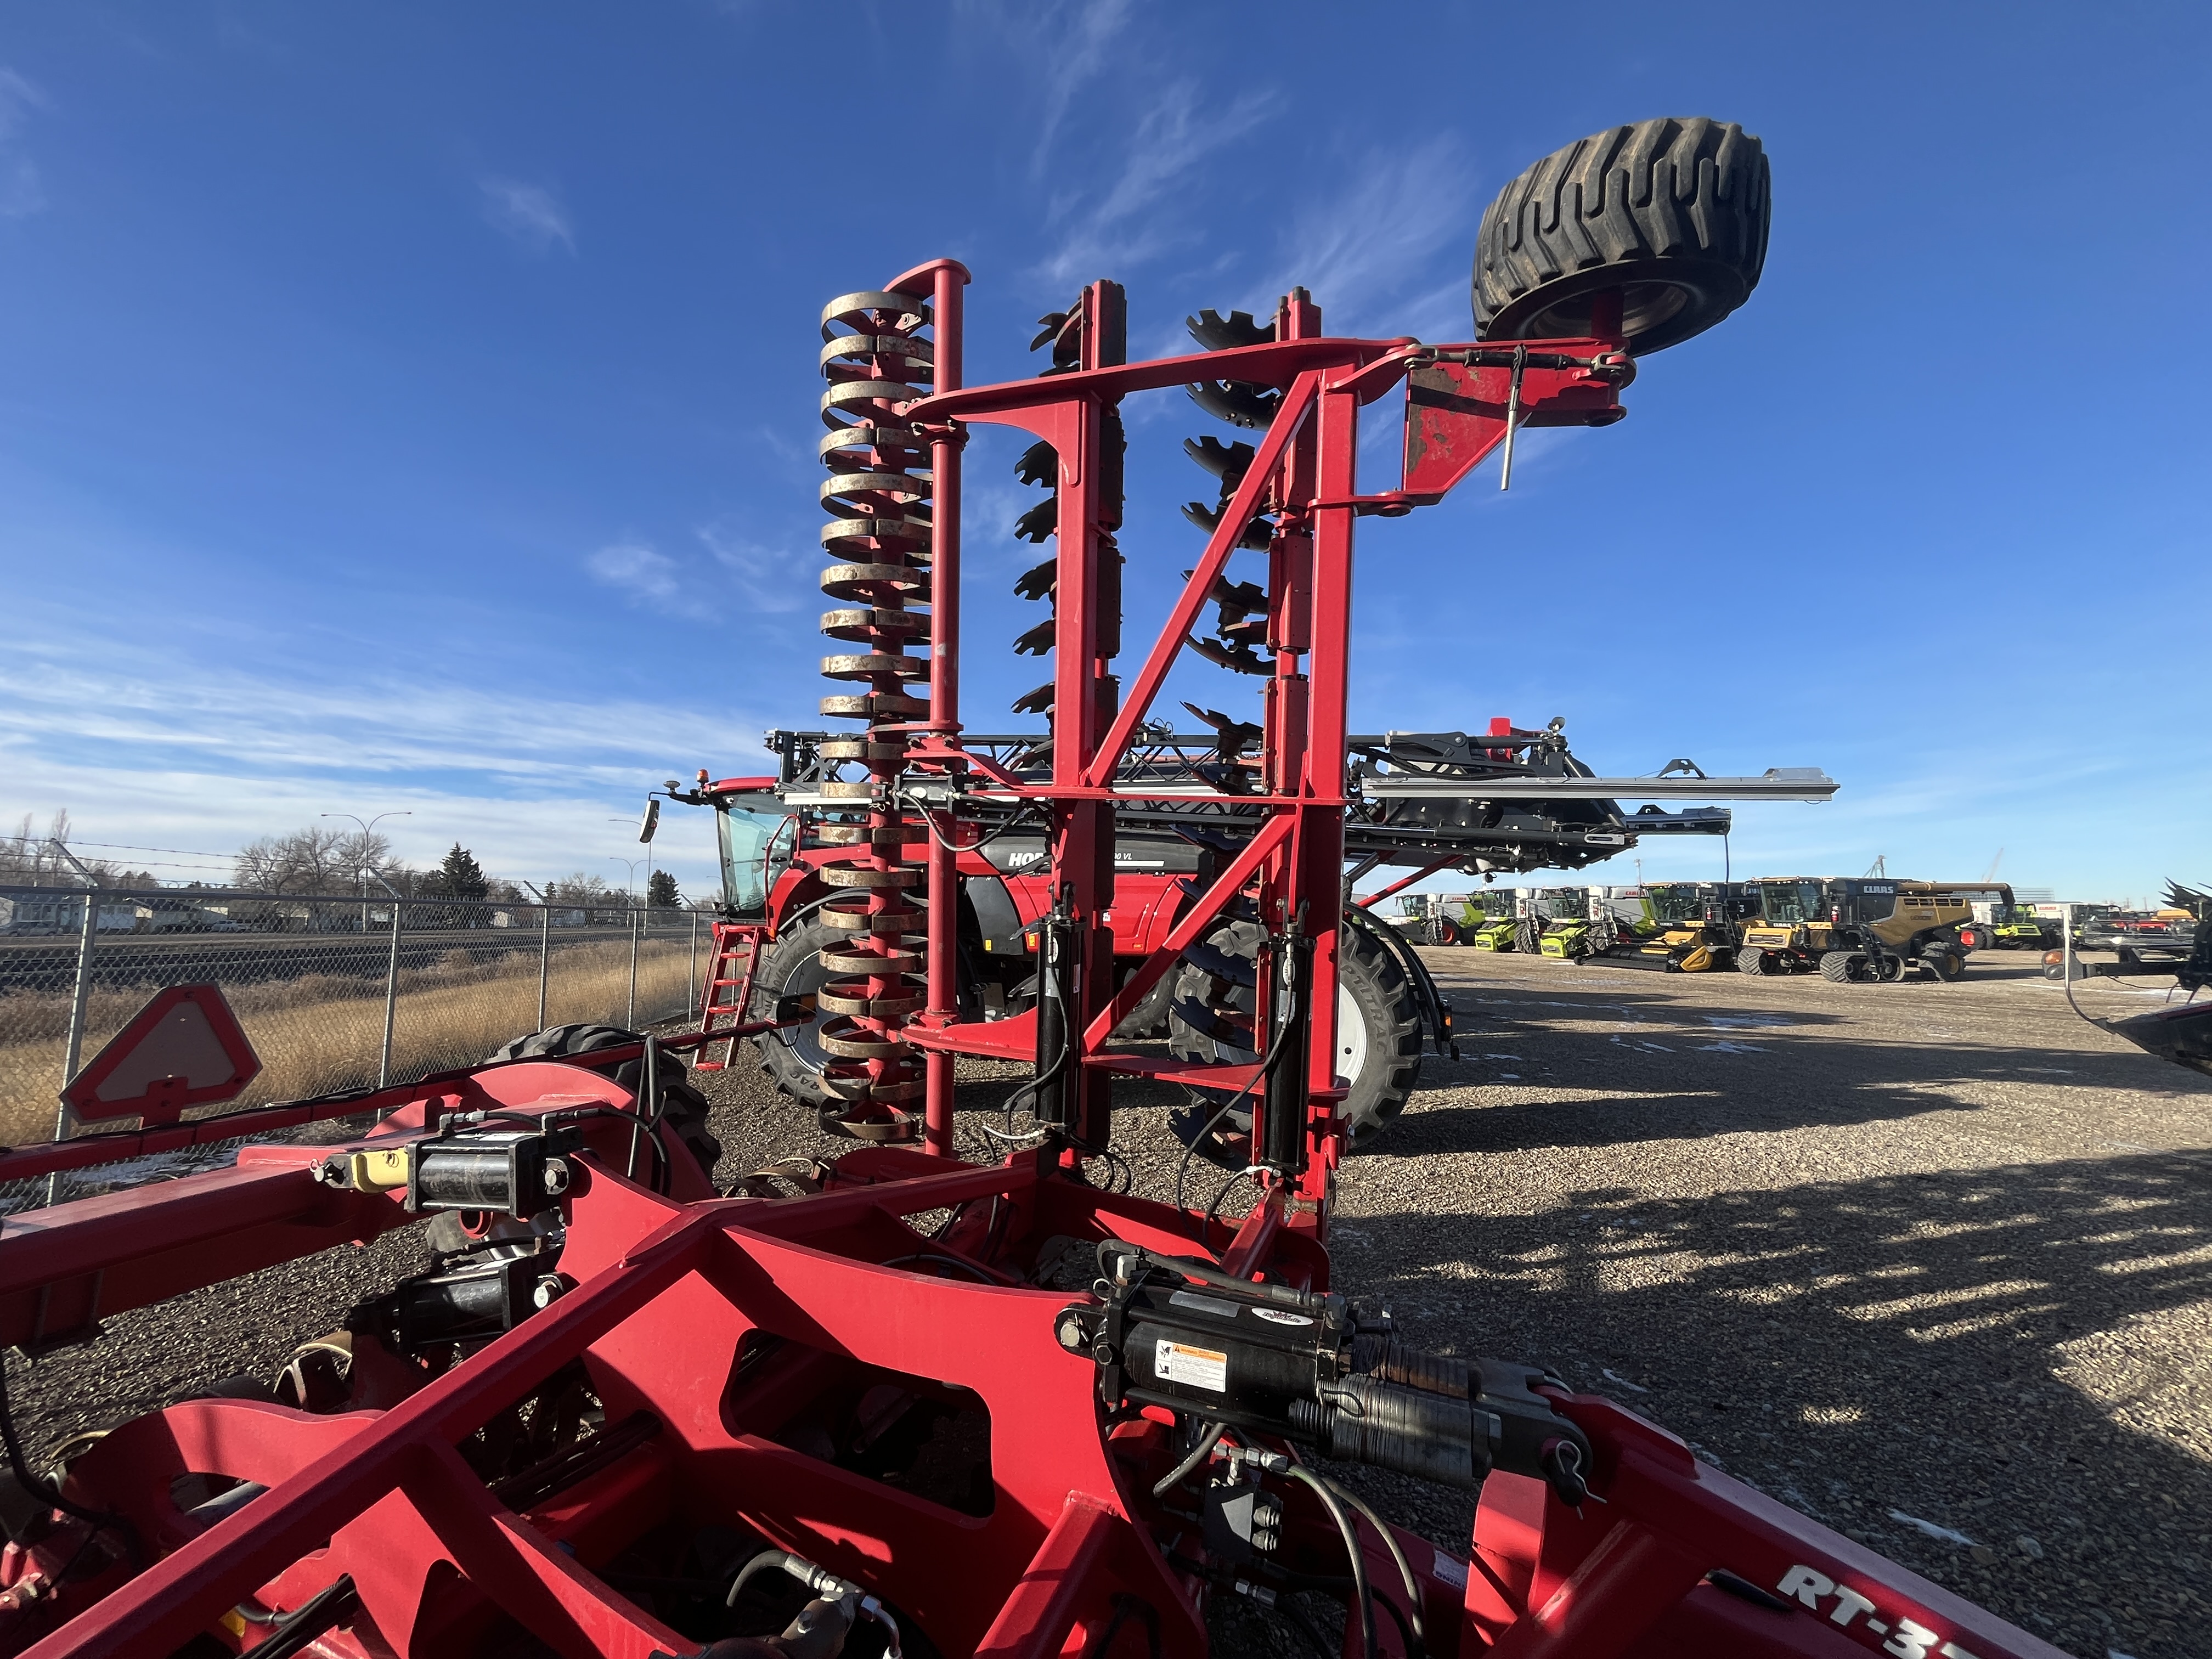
(1267, 1069)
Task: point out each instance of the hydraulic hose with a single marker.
(1397, 1554)
(1199, 1454)
(1300, 1472)
(821, 1582)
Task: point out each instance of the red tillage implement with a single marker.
(904, 1403)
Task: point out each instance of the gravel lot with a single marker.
(1941, 1250)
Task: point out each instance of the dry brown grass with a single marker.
(323, 1031)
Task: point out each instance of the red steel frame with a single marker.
(1305, 472)
(666, 1288)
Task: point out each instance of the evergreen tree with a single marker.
(457, 875)
(660, 890)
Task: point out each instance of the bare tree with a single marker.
(312, 859)
(33, 859)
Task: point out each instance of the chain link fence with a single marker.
(333, 992)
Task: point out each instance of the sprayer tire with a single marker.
(1672, 211)
(794, 1059)
(1380, 1059)
(683, 1108)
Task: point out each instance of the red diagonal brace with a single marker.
(1209, 905)
(1219, 546)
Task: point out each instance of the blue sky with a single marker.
(414, 407)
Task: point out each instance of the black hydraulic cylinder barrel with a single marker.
(1279, 1136)
(1056, 1013)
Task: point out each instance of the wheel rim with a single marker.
(1351, 1038)
(807, 976)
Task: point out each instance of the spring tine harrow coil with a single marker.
(877, 498)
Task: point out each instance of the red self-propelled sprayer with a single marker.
(902, 1403)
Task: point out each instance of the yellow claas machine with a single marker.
(1685, 926)
(1856, 929)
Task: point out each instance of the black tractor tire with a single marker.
(1751, 961)
(683, 1108)
(1209, 1022)
(1528, 936)
(1674, 212)
(793, 1059)
(1948, 966)
(1835, 967)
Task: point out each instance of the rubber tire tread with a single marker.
(779, 1060)
(683, 1108)
(1751, 963)
(1392, 1070)
(1835, 967)
(1379, 987)
(1669, 198)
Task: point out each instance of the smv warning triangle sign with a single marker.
(185, 1048)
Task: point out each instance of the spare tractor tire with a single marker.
(683, 1108)
(1378, 1018)
(1672, 212)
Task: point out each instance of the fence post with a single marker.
(544, 957)
(692, 973)
(629, 1015)
(391, 1000)
(87, 941)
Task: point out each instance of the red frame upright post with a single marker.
(945, 280)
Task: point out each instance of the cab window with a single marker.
(756, 846)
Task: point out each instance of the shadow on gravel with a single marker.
(1908, 1342)
(1852, 1057)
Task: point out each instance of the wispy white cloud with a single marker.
(530, 214)
(637, 570)
(23, 191)
(1078, 36)
(168, 751)
(1382, 253)
(1171, 139)
(772, 579)
(75, 702)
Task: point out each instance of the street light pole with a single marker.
(362, 870)
(647, 861)
(630, 887)
(630, 1014)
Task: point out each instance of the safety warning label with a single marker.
(1198, 1368)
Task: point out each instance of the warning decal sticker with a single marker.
(1197, 1368)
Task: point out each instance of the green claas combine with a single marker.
(2017, 927)
(1487, 921)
